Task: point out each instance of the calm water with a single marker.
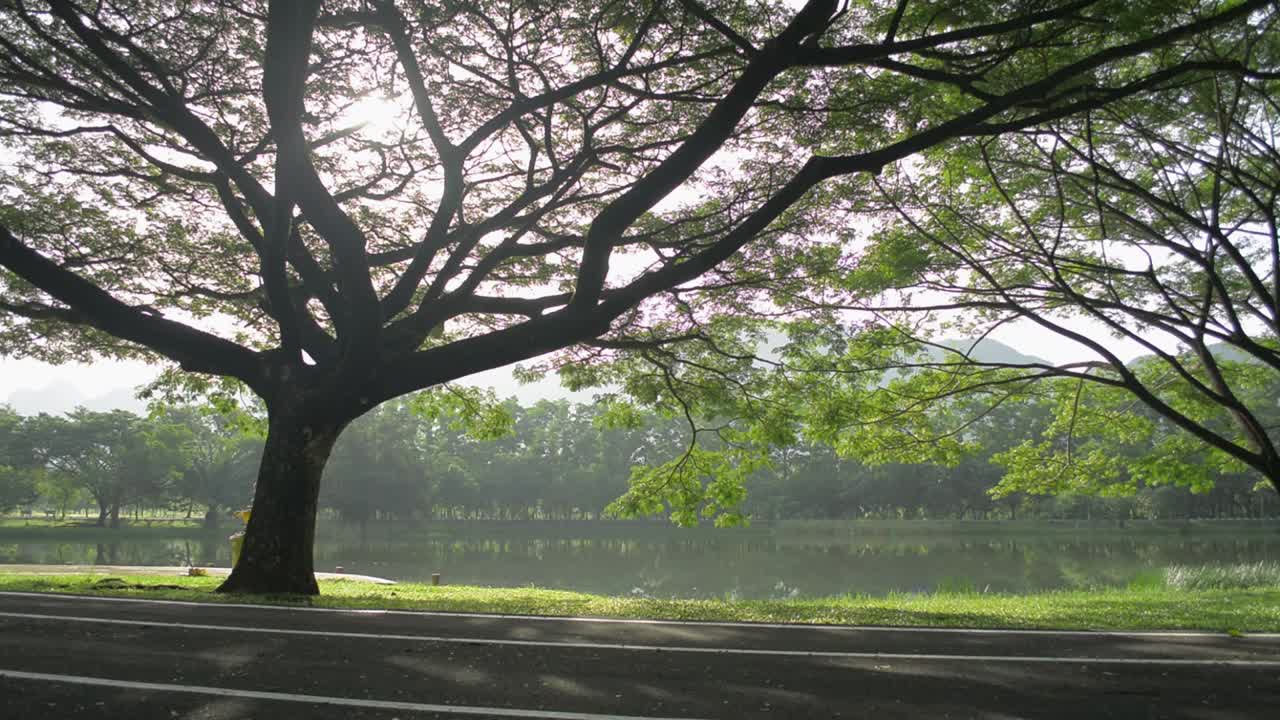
(668, 562)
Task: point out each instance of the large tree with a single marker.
(339, 204)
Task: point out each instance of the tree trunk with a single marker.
(277, 552)
(211, 518)
(115, 515)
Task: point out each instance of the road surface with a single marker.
(63, 657)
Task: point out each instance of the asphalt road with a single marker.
(83, 658)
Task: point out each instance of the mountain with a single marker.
(504, 385)
(991, 351)
(57, 395)
(120, 398)
(56, 398)
(1221, 351)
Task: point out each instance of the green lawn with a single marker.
(80, 521)
(1138, 608)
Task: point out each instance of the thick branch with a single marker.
(289, 31)
(194, 350)
(711, 133)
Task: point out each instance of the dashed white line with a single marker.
(837, 654)
(637, 621)
(322, 699)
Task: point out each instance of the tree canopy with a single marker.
(339, 203)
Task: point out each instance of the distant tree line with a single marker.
(189, 459)
(548, 461)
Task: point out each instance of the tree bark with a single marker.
(277, 552)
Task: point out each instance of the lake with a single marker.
(660, 561)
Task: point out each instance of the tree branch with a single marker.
(194, 350)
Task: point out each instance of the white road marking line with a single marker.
(322, 699)
(636, 621)
(1083, 660)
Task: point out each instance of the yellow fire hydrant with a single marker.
(237, 539)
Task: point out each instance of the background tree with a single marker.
(522, 202)
(61, 491)
(16, 489)
(117, 457)
(18, 469)
(220, 458)
(401, 468)
(380, 467)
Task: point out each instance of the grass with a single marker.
(1223, 577)
(1024, 527)
(79, 520)
(79, 529)
(1139, 607)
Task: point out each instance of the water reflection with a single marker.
(673, 563)
(179, 551)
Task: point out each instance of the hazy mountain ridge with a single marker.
(988, 351)
(994, 351)
(59, 397)
(1221, 351)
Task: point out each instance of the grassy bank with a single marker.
(87, 532)
(71, 526)
(895, 528)
(1149, 606)
(82, 520)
